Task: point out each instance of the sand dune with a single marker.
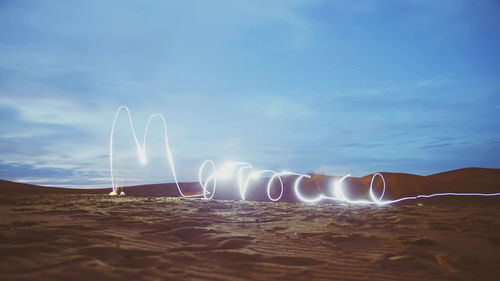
(398, 185)
(59, 234)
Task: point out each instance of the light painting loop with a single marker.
(246, 173)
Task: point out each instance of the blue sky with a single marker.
(312, 86)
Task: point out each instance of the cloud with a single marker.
(55, 146)
(61, 177)
(27, 171)
(293, 83)
(432, 146)
(48, 110)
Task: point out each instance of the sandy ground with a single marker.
(94, 237)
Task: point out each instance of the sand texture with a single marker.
(68, 236)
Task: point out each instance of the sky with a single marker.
(330, 87)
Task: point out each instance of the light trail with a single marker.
(208, 181)
(141, 149)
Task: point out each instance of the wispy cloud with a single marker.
(359, 85)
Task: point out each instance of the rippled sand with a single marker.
(94, 237)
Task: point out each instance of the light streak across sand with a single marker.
(245, 173)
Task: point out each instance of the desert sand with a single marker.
(58, 234)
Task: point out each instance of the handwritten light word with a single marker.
(245, 173)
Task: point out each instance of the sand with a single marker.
(72, 236)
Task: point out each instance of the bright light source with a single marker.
(226, 171)
(255, 175)
(142, 156)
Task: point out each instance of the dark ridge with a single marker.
(468, 180)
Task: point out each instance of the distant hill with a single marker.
(468, 180)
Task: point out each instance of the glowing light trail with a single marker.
(208, 183)
(141, 149)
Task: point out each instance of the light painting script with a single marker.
(245, 173)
